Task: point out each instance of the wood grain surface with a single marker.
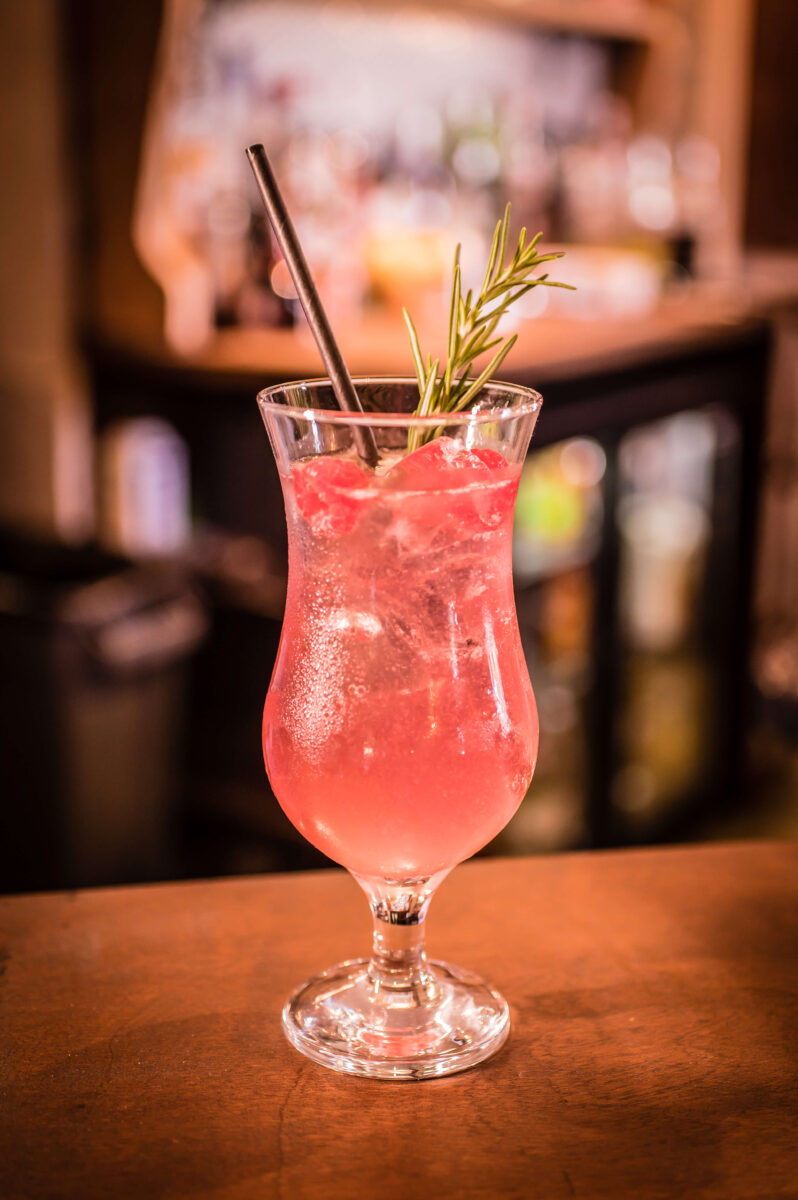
(653, 1053)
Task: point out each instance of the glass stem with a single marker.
(398, 966)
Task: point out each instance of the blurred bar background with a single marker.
(143, 303)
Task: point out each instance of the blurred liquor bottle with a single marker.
(257, 303)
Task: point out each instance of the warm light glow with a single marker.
(281, 281)
(653, 206)
(583, 462)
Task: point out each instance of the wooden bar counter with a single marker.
(654, 1051)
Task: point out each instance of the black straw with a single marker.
(285, 233)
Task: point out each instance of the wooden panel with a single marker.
(637, 21)
(718, 110)
(772, 215)
(110, 52)
(653, 1054)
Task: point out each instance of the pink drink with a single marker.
(400, 729)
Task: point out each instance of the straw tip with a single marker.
(255, 149)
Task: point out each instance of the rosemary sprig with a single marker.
(473, 321)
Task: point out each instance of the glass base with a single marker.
(343, 1021)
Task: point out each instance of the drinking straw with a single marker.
(285, 233)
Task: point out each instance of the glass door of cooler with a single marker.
(677, 517)
(556, 544)
(635, 716)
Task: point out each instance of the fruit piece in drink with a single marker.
(488, 480)
(325, 490)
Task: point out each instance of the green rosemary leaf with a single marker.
(485, 346)
(492, 366)
(494, 249)
(427, 404)
(544, 258)
(473, 321)
(415, 348)
(429, 391)
(454, 309)
(455, 306)
(478, 343)
(503, 240)
(490, 315)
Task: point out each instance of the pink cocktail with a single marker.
(400, 729)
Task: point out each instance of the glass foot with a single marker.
(345, 1021)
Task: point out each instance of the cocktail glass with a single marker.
(400, 730)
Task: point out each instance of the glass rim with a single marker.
(337, 416)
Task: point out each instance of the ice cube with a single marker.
(329, 493)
